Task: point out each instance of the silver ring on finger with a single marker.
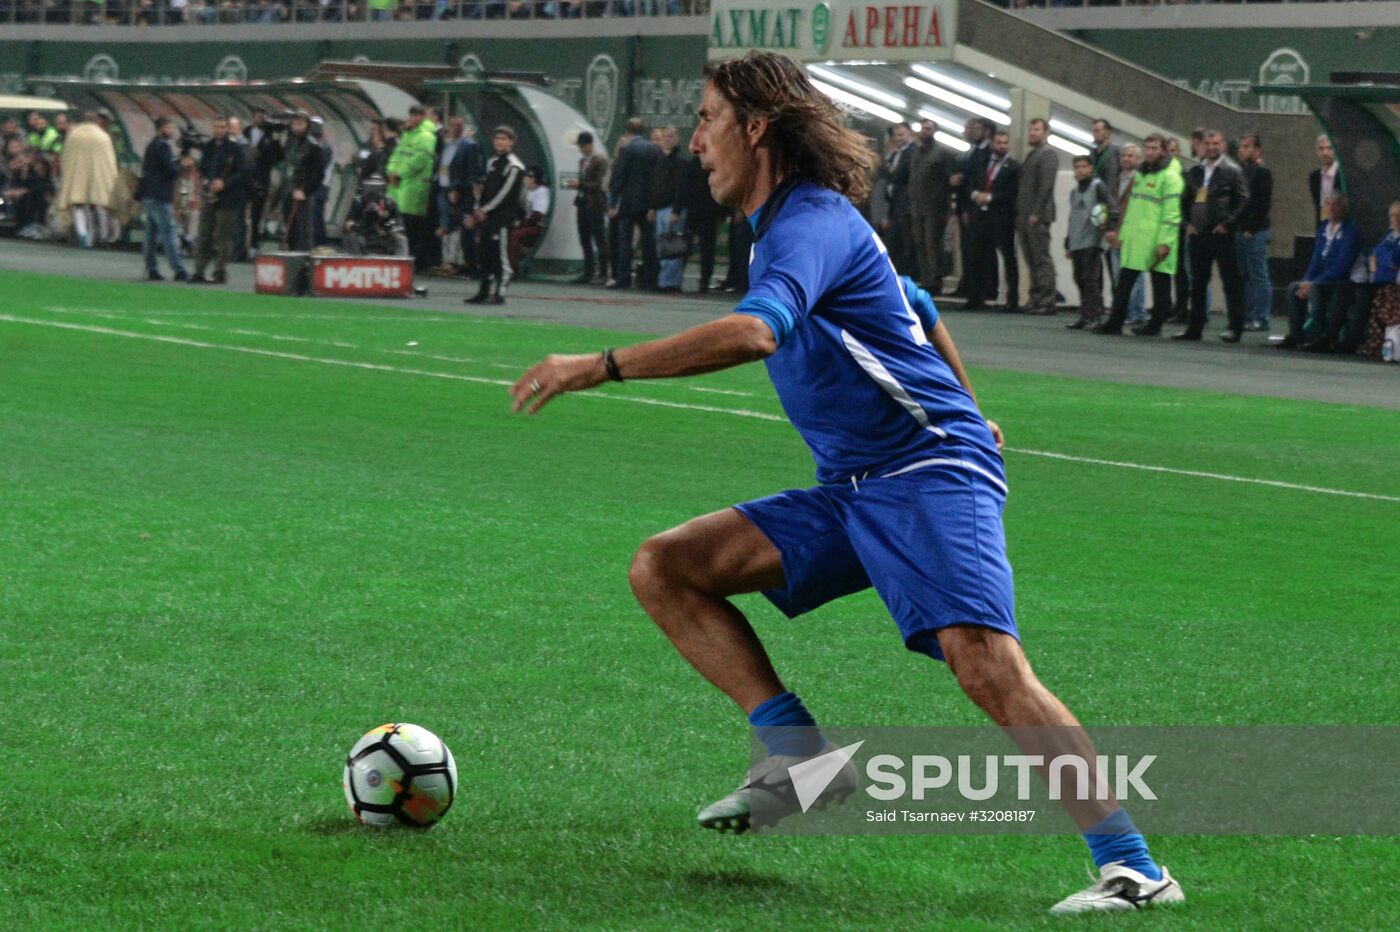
(535, 387)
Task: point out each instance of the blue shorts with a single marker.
(929, 540)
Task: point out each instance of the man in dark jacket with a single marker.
(666, 215)
(1253, 243)
(266, 154)
(459, 167)
(591, 208)
(970, 166)
(1215, 197)
(223, 179)
(1035, 212)
(629, 199)
(1107, 159)
(702, 217)
(497, 207)
(301, 177)
(899, 232)
(992, 225)
(159, 169)
(929, 199)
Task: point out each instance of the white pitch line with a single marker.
(378, 367)
(656, 402)
(340, 344)
(1195, 473)
(428, 316)
(721, 391)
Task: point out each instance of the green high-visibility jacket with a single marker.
(412, 161)
(1152, 218)
(50, 141)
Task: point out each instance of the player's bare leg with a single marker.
(683, 578)
(992, 669)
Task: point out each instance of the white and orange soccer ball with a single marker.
(400, 774)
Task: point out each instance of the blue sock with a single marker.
(786, 727)
(1116, 838)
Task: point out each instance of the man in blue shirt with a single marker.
(1382, 268)
(912, 480)
(1318, 303)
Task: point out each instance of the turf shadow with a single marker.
(731, 881)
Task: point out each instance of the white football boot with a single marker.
(769, 788)
(1119, 889)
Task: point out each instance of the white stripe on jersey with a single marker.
(877, 371)
(942, 461)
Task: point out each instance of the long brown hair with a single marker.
(807, 132)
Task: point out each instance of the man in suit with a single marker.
(993, 226)
(590, 209)
(1326, 178)
(1216, 195)
(459, 167)
(1107, 160)
(900, 225)
(224, 179)
(629, 199)
(971, 164)
(1035, 211)
(1106, 157)
(929, 193)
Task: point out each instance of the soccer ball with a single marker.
(400, 774)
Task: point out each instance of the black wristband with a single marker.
(610, 364)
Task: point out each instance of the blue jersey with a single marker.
(854, 368)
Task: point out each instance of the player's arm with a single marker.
(730, 341)
(943, 342)
(922, 304)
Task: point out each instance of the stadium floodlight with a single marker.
(940, 119)
(868, 91)
(859, 103)
(1064, 145)
(958, 100)
(1071, 131)
(952, 142)
(962, 87)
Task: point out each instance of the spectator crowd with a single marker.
(1139, 220)
(210, 12)
(60, 176)
(1144, 236)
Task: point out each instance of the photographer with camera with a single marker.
(223, 177)
(301, 177)
(265, 144)
(374, 226)
(159, 170)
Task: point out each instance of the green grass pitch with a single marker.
(218, 568)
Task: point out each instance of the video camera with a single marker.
(191, 139)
